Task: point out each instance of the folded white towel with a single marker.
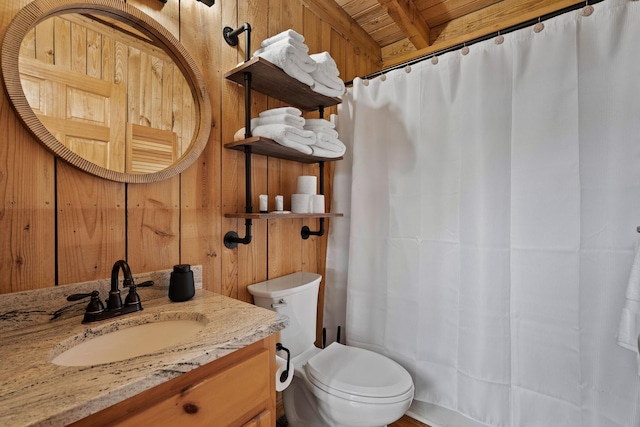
(288, 136)
(283, 35)
(327, 72)
(301, 50)
(334, 83)
(281, 110)
(630, 319)
(282, 52)
(326, 132)
(286, 41)
(288, 64)
(323, 152)
(284, 119)
(330, 143)
(320, 123)
(326, 63)
(324, 90)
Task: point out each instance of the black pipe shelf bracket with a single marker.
(306, 231)
(231, 37)
(232, 239)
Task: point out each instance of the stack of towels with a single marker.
(285, 126)
(288, 51)
(325, 76)
(327, 143)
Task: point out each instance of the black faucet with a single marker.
(96, 311)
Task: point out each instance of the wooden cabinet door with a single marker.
(233, 391)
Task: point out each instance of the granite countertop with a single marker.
(34, 391)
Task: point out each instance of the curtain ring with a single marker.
(538, 27)
(383, 77)
(407, 69)
(499, 38)
(434, 59)
(365, 82)
(587, 9)
(464, 50)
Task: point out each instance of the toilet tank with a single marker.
(296, 296)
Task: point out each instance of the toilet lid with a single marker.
(356, 372)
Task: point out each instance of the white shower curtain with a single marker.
(491, 204)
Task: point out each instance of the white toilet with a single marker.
(336, 386)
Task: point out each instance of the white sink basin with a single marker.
(128, 341)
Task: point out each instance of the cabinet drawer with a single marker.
(231, 397)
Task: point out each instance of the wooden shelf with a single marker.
(268, 147)
(272, 81)
(290, 215)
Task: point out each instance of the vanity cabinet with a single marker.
(235, 390)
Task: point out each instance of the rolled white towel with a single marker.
(324, 90)
(281, 110)
(283, 35)
(319, 123)
(284, 119)
(288, 136)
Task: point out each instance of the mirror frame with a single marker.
(39, 10)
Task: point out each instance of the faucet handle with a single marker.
(132, 297)
(94, 306)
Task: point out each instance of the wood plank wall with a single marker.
(59, 225)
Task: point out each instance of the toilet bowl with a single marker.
(338, 386)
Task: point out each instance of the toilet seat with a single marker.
(359, 375)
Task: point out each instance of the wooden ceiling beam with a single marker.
(409, 19)
(331, 13)
(499, 16)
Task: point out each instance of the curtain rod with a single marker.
(480, 39)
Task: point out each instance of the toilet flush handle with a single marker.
(281, 303)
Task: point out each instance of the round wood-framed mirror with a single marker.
(98, 134)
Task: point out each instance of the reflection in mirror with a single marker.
(125, 103)
(108, 94)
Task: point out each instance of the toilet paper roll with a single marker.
(307, 184)
(301, 203)
(281, 381)
(317, 203)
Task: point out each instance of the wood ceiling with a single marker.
(395, 31)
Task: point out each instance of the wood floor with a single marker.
(407, 422)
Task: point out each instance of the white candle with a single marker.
(264, 203)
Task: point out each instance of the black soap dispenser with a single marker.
(181, 286)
